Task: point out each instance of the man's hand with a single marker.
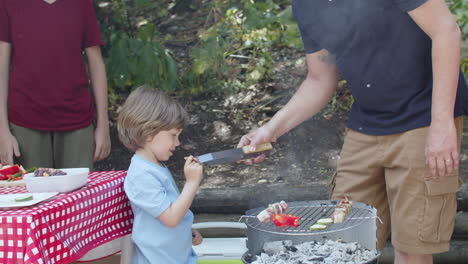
(441, 149)
(256, 137)
(102, 143)
(8, 147)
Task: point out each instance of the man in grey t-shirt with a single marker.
(401, 152)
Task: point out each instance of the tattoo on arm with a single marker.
(328, 58)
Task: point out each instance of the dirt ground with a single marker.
(304, 156)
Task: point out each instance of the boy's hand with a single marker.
(197, 238)
(193, 170)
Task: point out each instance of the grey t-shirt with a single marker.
(384, 56)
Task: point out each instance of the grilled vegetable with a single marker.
(276, 208)
(342, 210)
(317, 227)
(283, 220)
(324, 221)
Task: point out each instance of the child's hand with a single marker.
(197, 238)
(193, 170)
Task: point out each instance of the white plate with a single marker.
(8, 200)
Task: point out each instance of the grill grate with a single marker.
(310, 212)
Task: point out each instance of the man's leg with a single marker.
(422, 208)
(405, 258)
(360, 178)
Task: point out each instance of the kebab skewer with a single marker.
(276, 208)
(342, 210)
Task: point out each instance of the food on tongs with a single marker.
(283, 220)
(342, 210)
(46, 172)
(276, 208)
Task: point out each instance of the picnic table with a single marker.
(65, 227)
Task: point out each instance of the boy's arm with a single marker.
(97, 72)
(172, 216)
(193, 171)
(8, 143)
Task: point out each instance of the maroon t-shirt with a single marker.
(48, 88)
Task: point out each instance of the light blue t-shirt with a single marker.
(151, 190)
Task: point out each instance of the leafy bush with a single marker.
(233, 51)
(460, 9)
(238, 46)
(133, 54)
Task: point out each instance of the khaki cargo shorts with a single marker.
(390, 173)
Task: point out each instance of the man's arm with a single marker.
(8, 143)
(313, 94)
(434, 18)
(97, 72)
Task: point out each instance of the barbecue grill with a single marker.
(359, 226)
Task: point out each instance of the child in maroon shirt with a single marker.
(46, 108)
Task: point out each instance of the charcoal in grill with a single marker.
(359, 226)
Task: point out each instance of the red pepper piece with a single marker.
(10, 170)
(3, 177)
(283, 220)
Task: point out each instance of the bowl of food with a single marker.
(56, 180)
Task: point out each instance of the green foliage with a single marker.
(134, 54)
(234, 49)
(238, 46)
(460, 9)
(140, 60)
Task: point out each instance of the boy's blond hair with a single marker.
(145, 113)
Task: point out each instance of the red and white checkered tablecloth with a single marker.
(68, 225)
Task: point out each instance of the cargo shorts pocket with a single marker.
(437, 215)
